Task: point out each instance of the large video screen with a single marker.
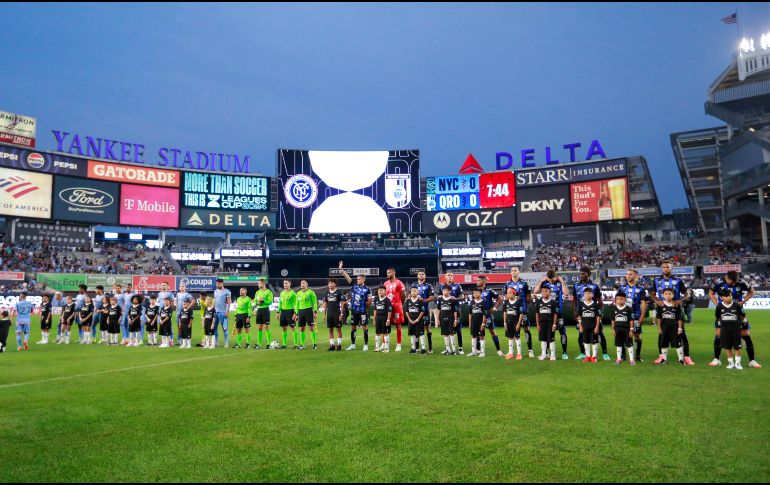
(349, 192)
(228, 192)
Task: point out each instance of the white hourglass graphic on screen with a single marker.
(349, 171)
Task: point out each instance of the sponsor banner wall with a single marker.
(197, 283)
(543, 206)
(721, 268)
(149, 206)
(565, 174)
(532, 278)
(603, 200)
(145, 283)
(228, 192)
(59, 235)
(569, 233)
(17, 129)
(227, 220)
(468, 220)
(133, 174)
(11, 276)
(757, 304)
(8, 301)
(236, 278)
(84, 200)
(35, 161)
(61, 281)
(107, 280)
(25, 194)
(676, 270)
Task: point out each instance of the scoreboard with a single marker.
(465, 192)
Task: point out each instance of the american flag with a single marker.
(731, 19)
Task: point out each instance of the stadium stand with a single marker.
(570, 256)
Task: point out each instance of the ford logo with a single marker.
(86, 197)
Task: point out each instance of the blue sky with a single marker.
(447, 79)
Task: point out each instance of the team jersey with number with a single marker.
(522, 291)
(424, 291)
(394, 289)
(635, 295)
(738, 289)
(359, 296)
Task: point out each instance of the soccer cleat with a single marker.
(423, 351)
(688, 361)
(365, 349)
(238, 346)
(586, 360)
(301, 347)
(500, 353)
(618, 361)
(20, 349)
(754, 365)
(518, 357)
(351, 347)
(248, 346)
(542, 357)
(283, 347)
(339, 348)
(730, 366)
(430, 352)
(398, 347)
(315, 347)
(681, 362)
(461, 352)
(387, 350)
(531, 354)
(632, 362)
(26, 345)
(659, 360)
(257, 347)
(332, 349)
(715, 363)
(564, 356)
(445, 352)
(553, 357)
(580, 356)
(412, 351)
(472, 354)
(604, 356)
(482, 354)
(509, 357)
(40, 343)
(738, 366)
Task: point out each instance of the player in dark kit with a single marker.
(383, 312)
(164, 319)
(589, 318)
(360, 298)
(135, 312)
(46, 317)
(425, 292)
(114, 315)
(209, 323)
(558, 290)
(524, 295)
(186, 318)
(455, 291)
(476, 316)
(449, 319)
(622, 327)
(415, 311)
(578, 291)
(677, 286)
(491, 300)
(103, 325)
(513, 319)
(86, 320)
(670, 318)
(637, 298)
(333, 308)
(67, 318)
(741, 293)
(730, 316)
(546, 318)
(152, 322)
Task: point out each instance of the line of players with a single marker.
(420, 311)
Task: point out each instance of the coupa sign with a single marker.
(570, 152)
(126, 151)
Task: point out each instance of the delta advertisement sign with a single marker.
(149, 206)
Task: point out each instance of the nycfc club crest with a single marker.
(301, 191)
(398, 190)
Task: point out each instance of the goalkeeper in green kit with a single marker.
(287, 301)
(243, 309)
(262, 301)
(305, 313)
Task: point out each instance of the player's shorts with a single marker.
(560, 322)
(208, 328)
(165, 329)
(22, 328)
(242, 321)
(305, 317)
(152, 327)
(135, 326)
(380, 325)
(44, 325)
(717, 324)
(263, 316)
(417, 329)
(398, 315)
(637, 328)
(360, 318)
(103, 324)
(746, 325)
(622, 338)
(510, 331)
(333, 321)
(86, 323)
(447, 326)
(730, 337)
(426, 321)
(545, 333)
(489, 322)
(477, 328)
(669, 336)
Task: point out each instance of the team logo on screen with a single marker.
(35, 160)
(441, 220)
(398, 190)
(301, 191)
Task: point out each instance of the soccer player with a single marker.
(679, 291)
(383, 314)
(243, 309)
(128, 299)
(305, 313)
(114, 318)
(287, 301)
(262, 301)
(165, 317)
(360, 298)
(415, 313)
(104, 313)
(67, 318)
(622, 327)
(491, 300)
(426, 294)
(669, 317)
(333, 302)
(151, 313)
(97, 301)
(637, 297)
(546, 318)
(23, 311)
(58, 302)
(396, 292)
(524, 296)
(589, 318)
(135, 321)
(222, 301)
(476, 317)
(730, 316)
(5, 326)
(181, 296)
(80, 298)
(162, 295)
(46, 316)
(86, 320)
(741, 293)
(456, 292)
(186, 317)
(513, 318)
(449, 319)
(578, 291)
(209, 324)
(558, 290)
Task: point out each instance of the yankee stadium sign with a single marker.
(126, 151)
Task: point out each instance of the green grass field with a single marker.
(74, 413)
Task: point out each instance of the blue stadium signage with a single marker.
(504, 160)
